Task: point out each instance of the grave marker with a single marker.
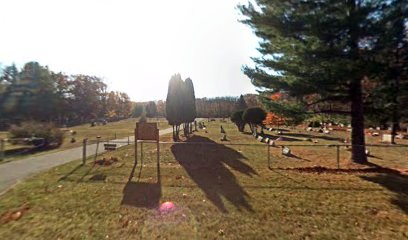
(285, 151)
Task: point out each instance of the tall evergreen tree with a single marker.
(241, 105)
(391, 95)
(317, 48)
(190, 112)
(174, 103)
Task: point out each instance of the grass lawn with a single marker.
(219, 191)
(119, 129)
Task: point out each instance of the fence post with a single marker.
(97, 147)
(269, 156)
(2, 149)
(338, 157)
(141, 152)
(84, 143)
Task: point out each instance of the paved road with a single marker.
(14, 172)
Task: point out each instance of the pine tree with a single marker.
(318, 48)
(241, 105)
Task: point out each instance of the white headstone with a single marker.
(386, 138)
(272, 143)
(285, 151)
(378, 128)
(260, 138)
(267, 140)
(375, 134)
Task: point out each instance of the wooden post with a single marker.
(269, 156)
(338, 156)
(2, 146)
(84, 143)
(158, 150)
(97, 147)
(135, 147)
(141, 152)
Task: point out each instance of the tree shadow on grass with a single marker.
(282, 138)
(207, 163)
(397, 183)
(142, 194)
(302, 135)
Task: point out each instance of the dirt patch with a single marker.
(320, 170)
(14, 215)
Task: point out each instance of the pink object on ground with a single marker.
(166, 206)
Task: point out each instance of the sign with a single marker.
(110, 146)
(147, 131)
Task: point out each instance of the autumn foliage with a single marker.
(273, 119)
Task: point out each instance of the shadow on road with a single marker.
(207, 164)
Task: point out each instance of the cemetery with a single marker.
(295, 127)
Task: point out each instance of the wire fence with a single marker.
(279, 156)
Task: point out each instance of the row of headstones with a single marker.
(285, 150)
(265, 140)
(277, 131)
(321, 130)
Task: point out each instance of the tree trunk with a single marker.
(358, 154)
(394, 126)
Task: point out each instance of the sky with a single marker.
(134, 45)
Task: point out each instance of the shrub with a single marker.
(254, 117)
(237, 119)
(51, 135)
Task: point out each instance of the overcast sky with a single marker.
(135, 46)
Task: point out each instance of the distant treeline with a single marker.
(219, 107)
(36, 93)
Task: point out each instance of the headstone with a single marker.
(375, 134)
(315, 141)
(285, 151)
(399, 136)
(267, 140)
(272, 143)
(260, 138)
(326, 132)
(309, 129)
(367, 152)
(378, 128)
(386, 138)
(270, 129)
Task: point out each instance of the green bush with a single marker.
(51, 135)
(236, 118)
